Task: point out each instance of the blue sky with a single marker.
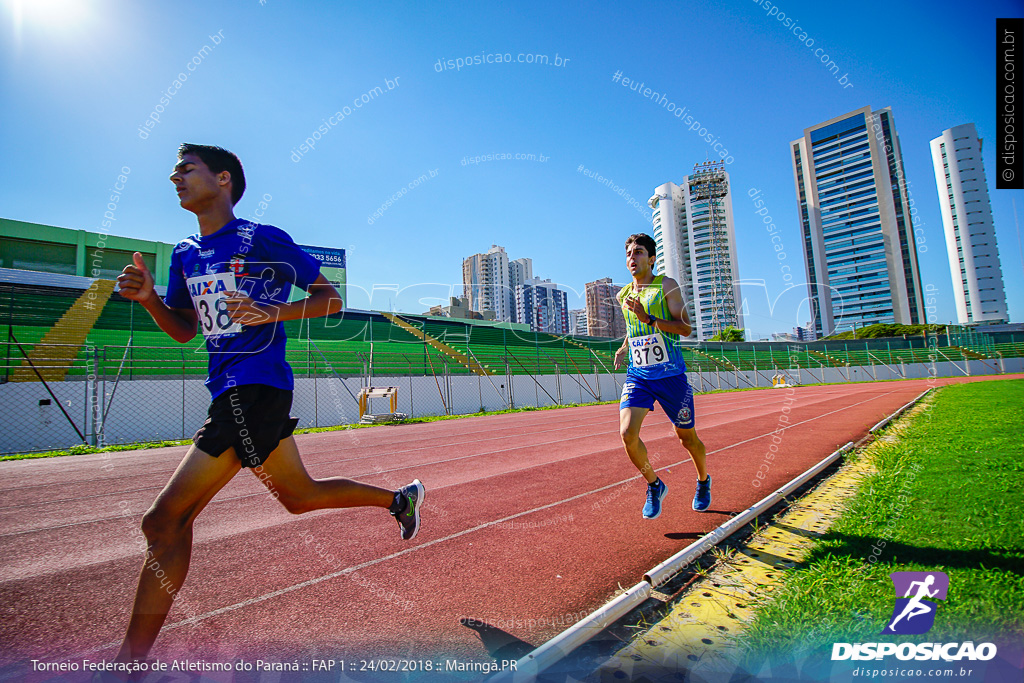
(80, 78)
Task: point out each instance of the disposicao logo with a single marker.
(914, 614)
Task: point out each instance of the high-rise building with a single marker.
(485, 279)
(519, 271)
(543, 306)
(967, 220)
(578, 322)
(696, 240)
(604, 316)
(858, 240)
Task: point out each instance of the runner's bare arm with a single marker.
(680, 323)
(323, 300)
(620, 354)
(136, 283)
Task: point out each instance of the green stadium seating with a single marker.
(347, 344)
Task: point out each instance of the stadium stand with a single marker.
(48, 320)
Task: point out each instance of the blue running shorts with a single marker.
(673, 393)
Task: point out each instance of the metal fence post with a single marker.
(85, 407)
(448, 385)
(131, 335)
(94, 403)
(10, 333)
(536, 390)
(412, 412)
(508, 380)
(558, 383)
(103, 398)
(182, 393)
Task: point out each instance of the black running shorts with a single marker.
(251, 418)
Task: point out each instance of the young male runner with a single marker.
(655, 318)
(231, 280)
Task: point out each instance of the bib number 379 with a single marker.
(208, 295)
(648, 350)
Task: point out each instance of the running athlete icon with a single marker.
(915, 607)
(231, 282)
(655, 319)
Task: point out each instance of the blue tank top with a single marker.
(261, 261)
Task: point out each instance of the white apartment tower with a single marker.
(485, 279)
(698, 249)
(967, 220)
(578, 322)
(854, 208)
(520, 271)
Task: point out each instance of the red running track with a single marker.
(531, 521)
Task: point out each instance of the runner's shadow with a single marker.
(498, 643)
(683, 536)
(799, 531)
(1006, 559)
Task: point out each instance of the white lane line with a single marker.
(369, 563)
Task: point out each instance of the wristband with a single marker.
(651, 319)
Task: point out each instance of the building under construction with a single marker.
(693, 228)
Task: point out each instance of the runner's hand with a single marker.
(245, 311)
(136, 282)
(633, 303)
(620, 357)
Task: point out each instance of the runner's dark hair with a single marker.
(218, 159)
(645, 241)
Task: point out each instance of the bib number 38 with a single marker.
(208, 295)
(648, 350)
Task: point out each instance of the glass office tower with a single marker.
(857, 237)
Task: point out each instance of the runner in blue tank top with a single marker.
(655, 320)
(230, 282)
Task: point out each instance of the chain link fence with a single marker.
(54, 396)
(117, 394)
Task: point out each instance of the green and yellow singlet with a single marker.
(653, 354)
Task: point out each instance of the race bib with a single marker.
(208, 294)
(648, 350)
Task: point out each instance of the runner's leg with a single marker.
(167, 526)
(692, 443)
(630, 421)
(284, 475)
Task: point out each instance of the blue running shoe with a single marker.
(702, 498)
(655, 492)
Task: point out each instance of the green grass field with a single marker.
(948, 496)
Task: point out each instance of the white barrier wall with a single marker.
(169, 409)
(31, 425)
